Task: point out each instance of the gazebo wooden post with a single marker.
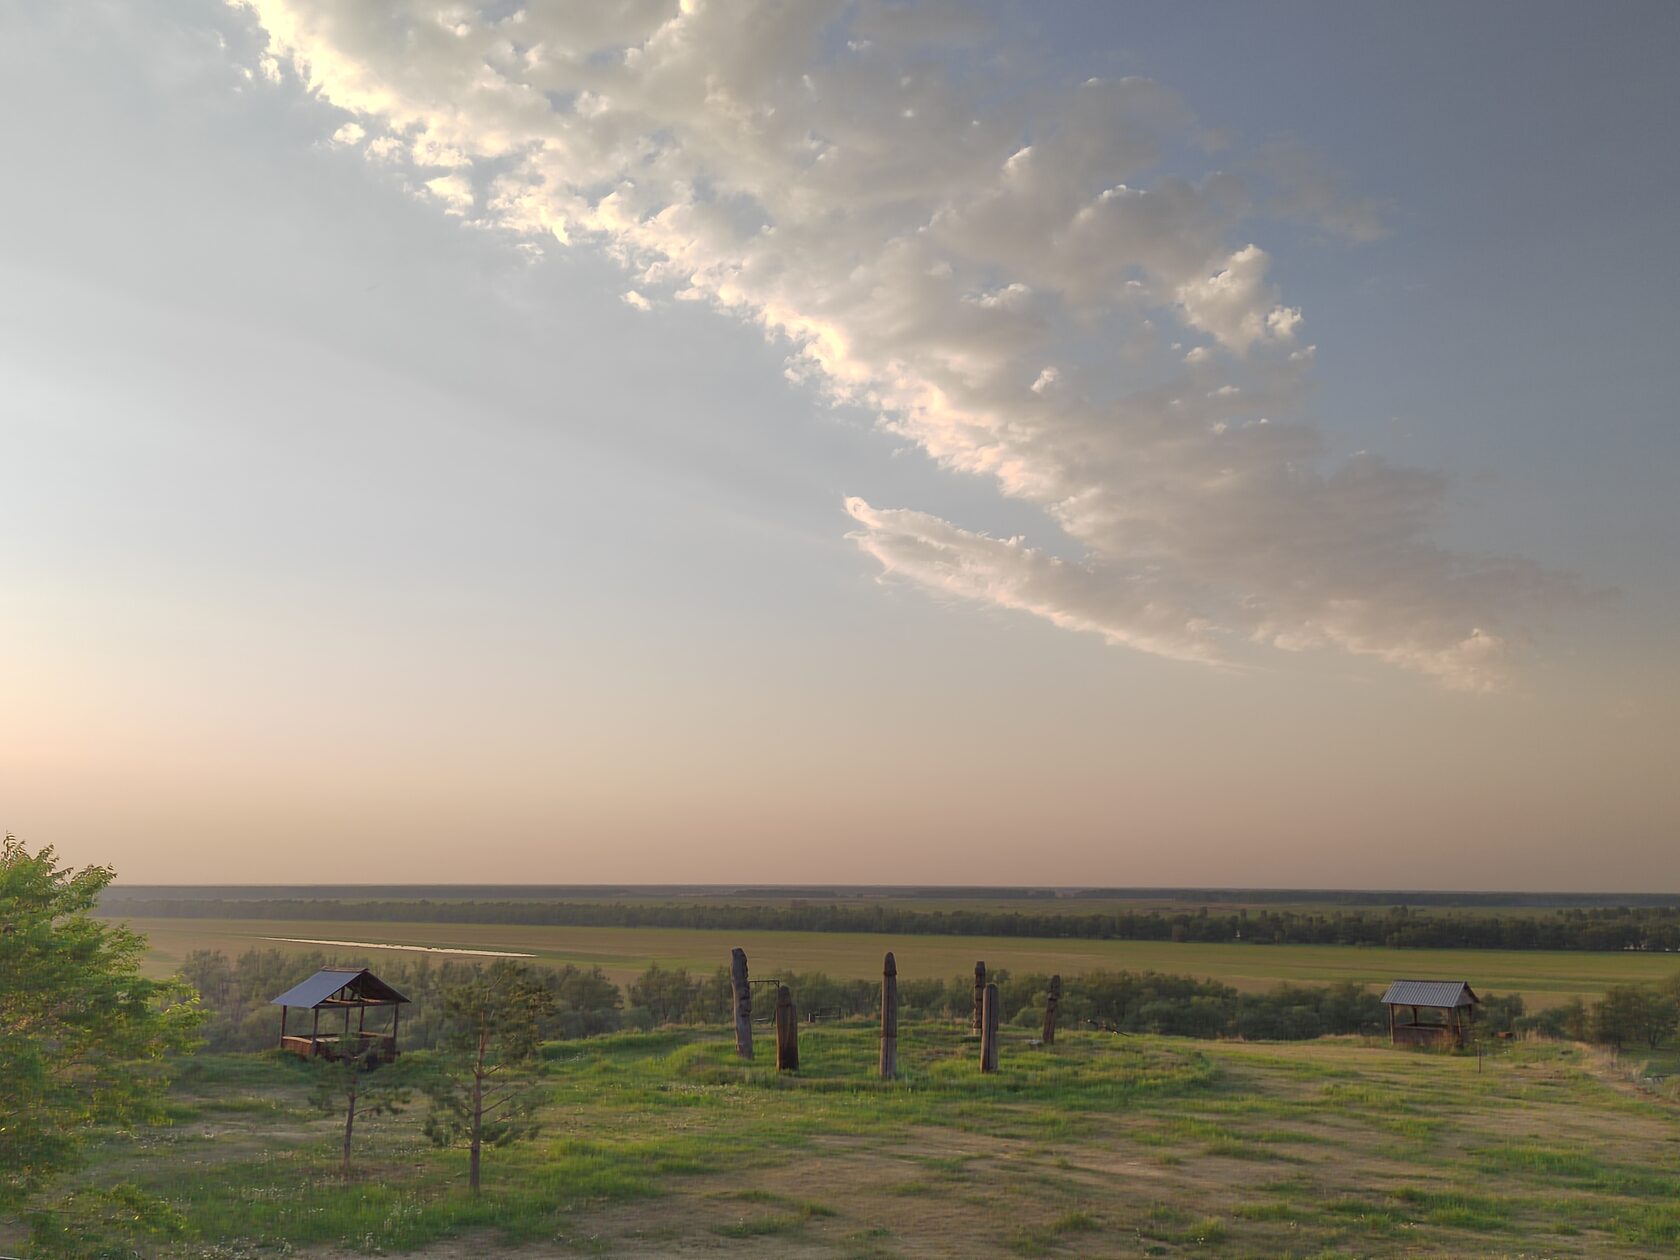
(314, 1030)
(283, 1011)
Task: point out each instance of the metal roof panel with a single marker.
(324, 983)
(1446, 994)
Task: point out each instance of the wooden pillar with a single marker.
(1391, 1025)
(283, 1026)
(976, 1017)
(989, 1029)
(787, 1031)
(743, 1002)
(889, 1018)
(314, 1029)
(1051, 1003)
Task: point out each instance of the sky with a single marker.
(833, 442)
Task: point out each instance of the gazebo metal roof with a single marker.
(322, 988)
(1443, 994)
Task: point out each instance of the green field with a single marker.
(1544, 978)
(663, 1144)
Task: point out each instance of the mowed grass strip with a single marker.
(1542, 977)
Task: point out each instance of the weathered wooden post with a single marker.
(787, 1031)
(1050, 1005)
(889, 1018)
(743, 1002)
(977, 1015)
(989, 1030)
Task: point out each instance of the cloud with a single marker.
(998, 276)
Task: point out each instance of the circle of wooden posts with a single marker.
(889, 1018)
(989, 1030)
(985, 1020)
(787, 1031)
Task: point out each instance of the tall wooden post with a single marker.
(314, 1031)
(787, 1031)
(977, 1015)
(1051, 1003)
(889, 1018)
(989, 1030)
(743, 1002)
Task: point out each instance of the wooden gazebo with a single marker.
(1430, 1012)
(341, 989)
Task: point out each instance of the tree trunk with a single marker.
(977, 1015)
(889, 1018)
(349, 1127)
(787, 1031)
(475, 1144)
(989, 1030)
(1051, 1004)
(743, 1002)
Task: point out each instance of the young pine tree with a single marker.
(358, 1087)
(483, 1088)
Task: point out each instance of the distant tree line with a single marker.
(1654, 928)
(236, 996)
(1294, 898)
(1628, 1015)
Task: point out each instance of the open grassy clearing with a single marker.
(662, 1144)
(1544, 978)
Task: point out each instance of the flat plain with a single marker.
(1544, 978)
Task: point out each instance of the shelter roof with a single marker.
(1445, 994)
(366, 989)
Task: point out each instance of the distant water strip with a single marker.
(413, 949)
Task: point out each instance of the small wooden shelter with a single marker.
(1430, 1012)
(346, 989)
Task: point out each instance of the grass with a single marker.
(664, 1143)
(1544, 978)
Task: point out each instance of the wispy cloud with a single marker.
(1012, 282)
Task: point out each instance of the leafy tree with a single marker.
(357, 1086)
(84, 1037)
(667, 995)
(1499, 1012)
(482, 1092)
(1622, 1014)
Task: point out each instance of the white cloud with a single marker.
(455, 191)
(926, 247)
(632, 298)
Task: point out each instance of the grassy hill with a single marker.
(664, 1144)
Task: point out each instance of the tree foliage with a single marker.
(84, 1037)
